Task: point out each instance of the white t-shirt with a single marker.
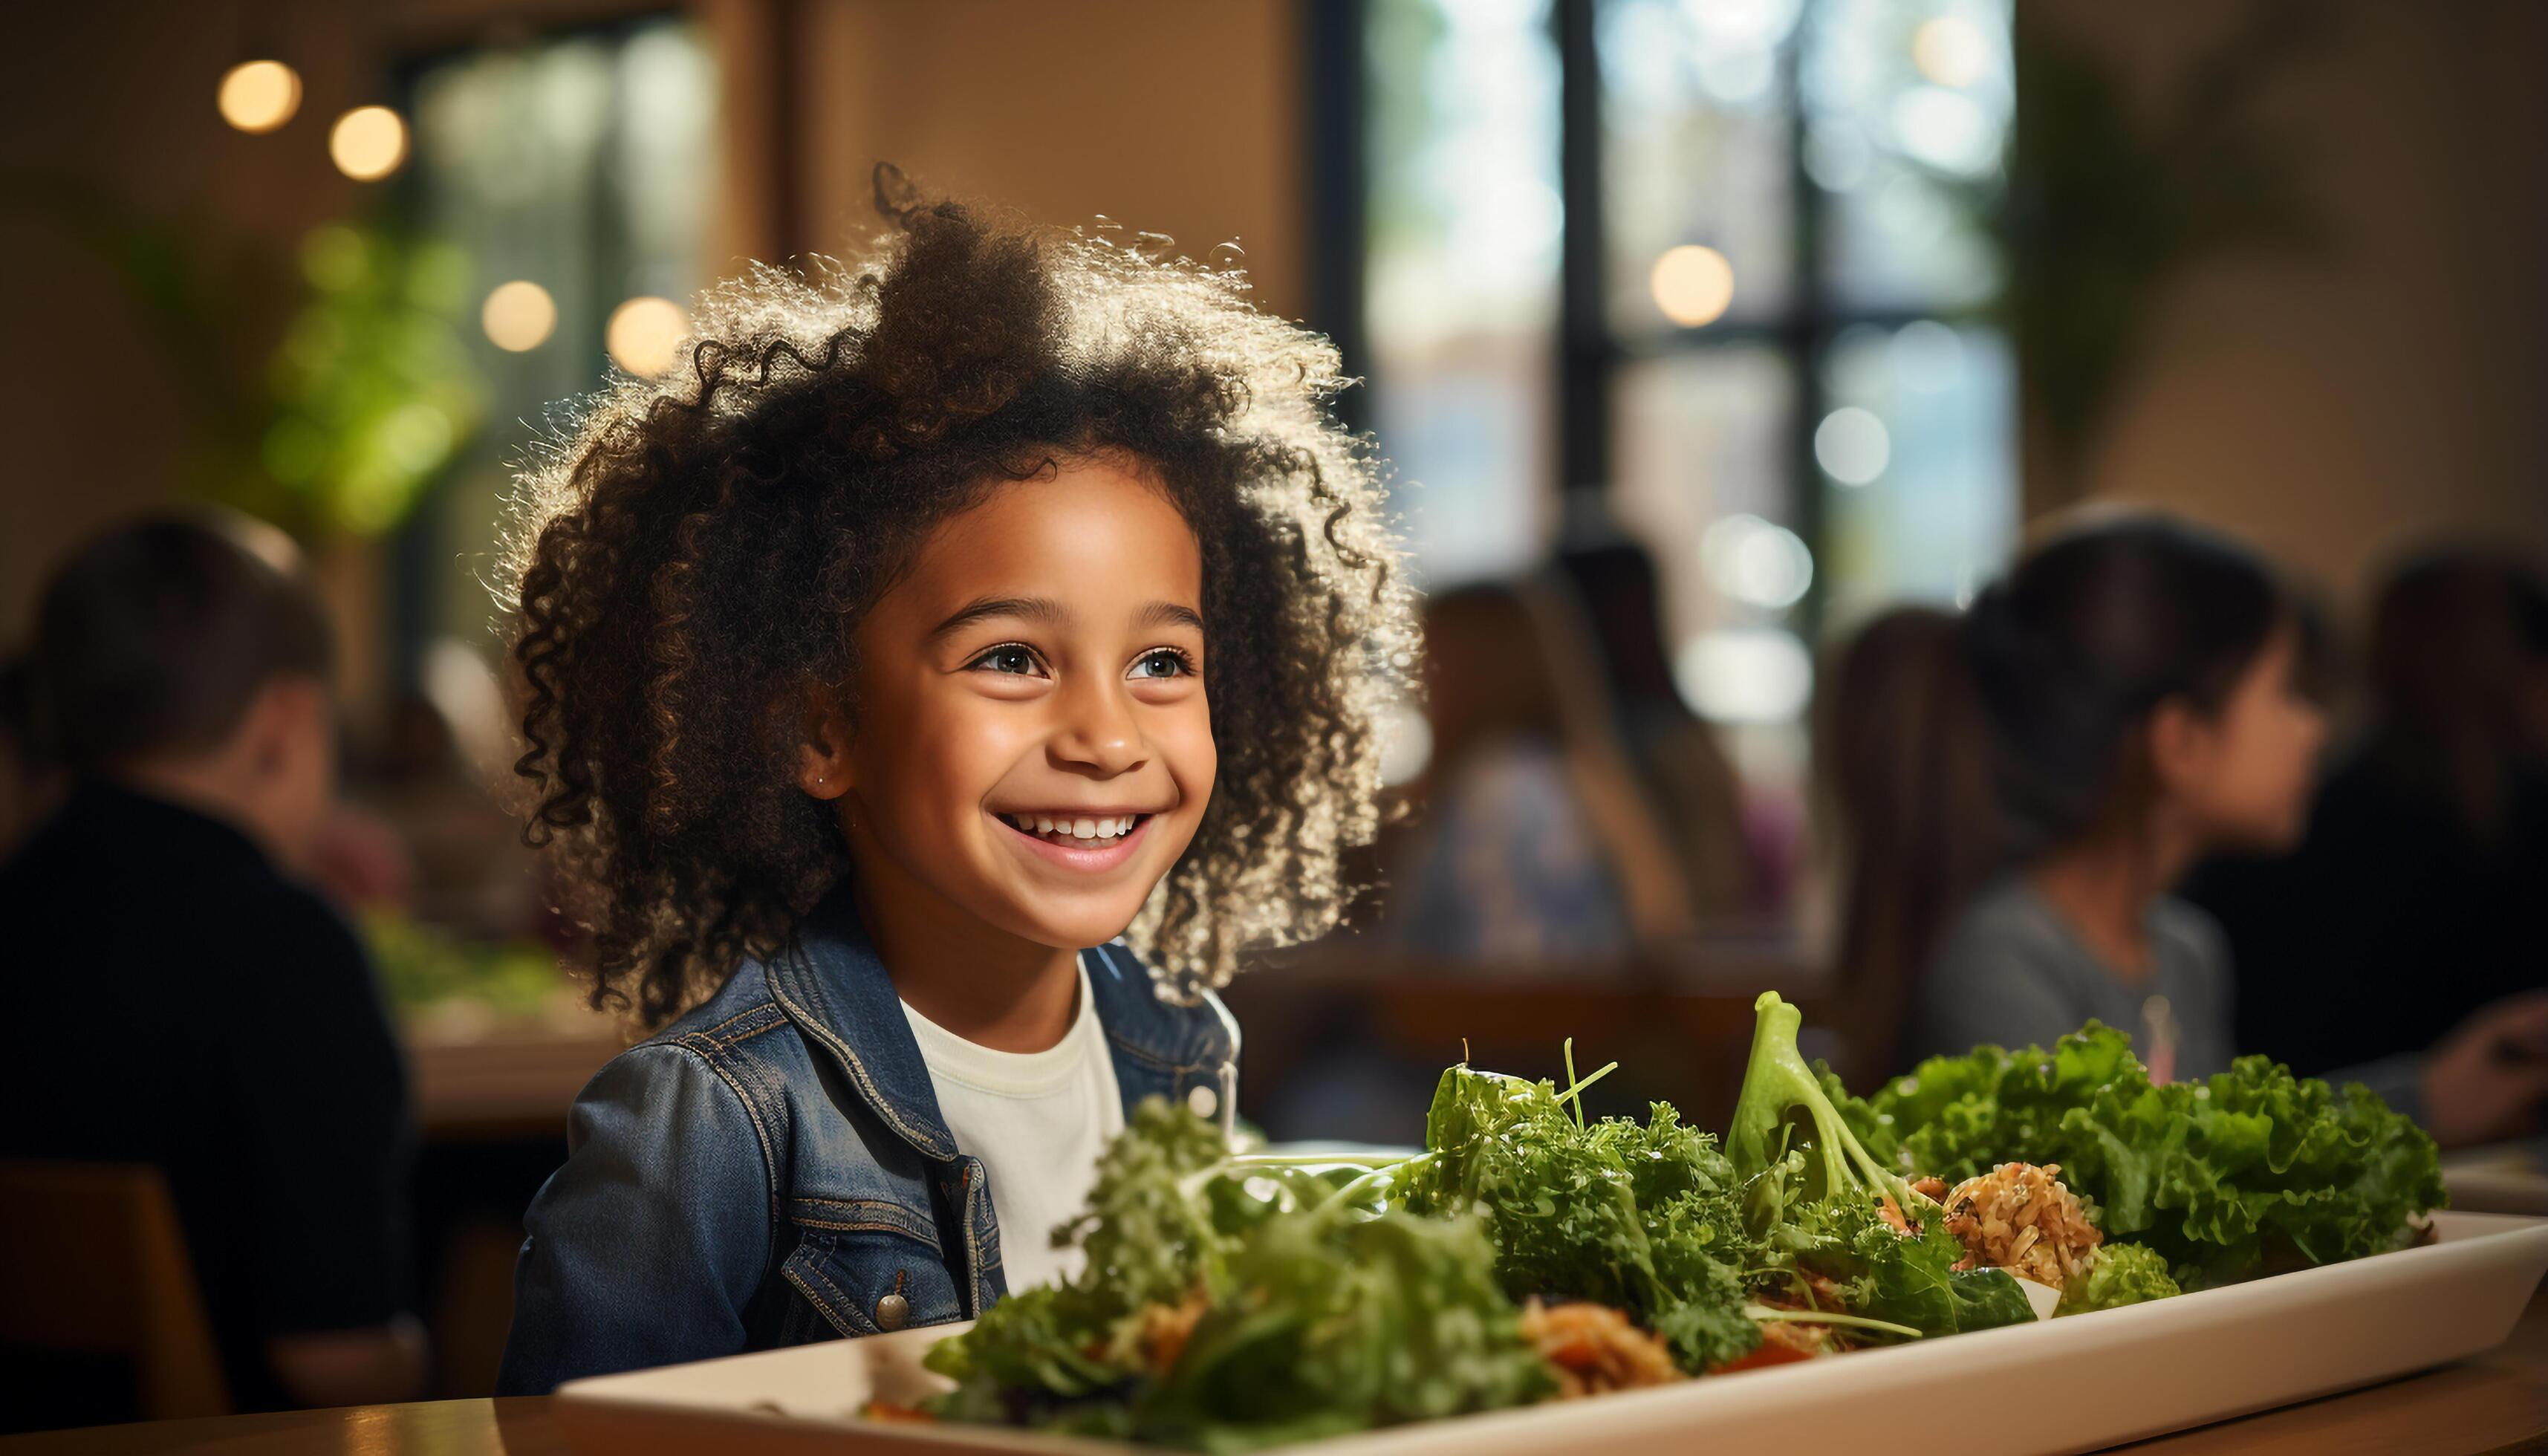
(1037, 1120)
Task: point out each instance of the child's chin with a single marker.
(1074, 927)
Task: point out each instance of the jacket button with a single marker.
(893, 1311)
(1204, 1100)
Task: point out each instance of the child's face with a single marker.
(2241, 776)
(1040, 664)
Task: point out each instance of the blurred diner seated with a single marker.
(2021, 789)
(1727, 870)
(2411, 915)
(183, 1002)
(1531, 840)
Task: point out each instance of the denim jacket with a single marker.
(771, 1169)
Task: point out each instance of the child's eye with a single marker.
(1163, 662)
(1009, 657)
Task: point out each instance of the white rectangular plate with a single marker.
(2066, 1385)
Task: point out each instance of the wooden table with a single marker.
(2497, 1402)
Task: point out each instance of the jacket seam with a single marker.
(761, 1135)
(858, 1071)
(709, 1034)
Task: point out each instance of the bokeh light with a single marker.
(257, 96)
(1693, 285)
(1756, 561)
(519, 315)
(645, 334)
(1952, 51)
(1852, 445)
(1744, 674)
(368, 142)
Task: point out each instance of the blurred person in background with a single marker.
(2131, 694)
(1681, 769)
(1534, 840)
(1912, 816)
(190, 1005)
(2410, 916)
(25, 794)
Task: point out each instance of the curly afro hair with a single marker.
(693, 557)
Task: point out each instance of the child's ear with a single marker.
(823, 748)
(2181, 738)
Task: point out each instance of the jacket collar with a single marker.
(831, 983)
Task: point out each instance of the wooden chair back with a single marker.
(95, 1264)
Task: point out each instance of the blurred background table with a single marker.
(2497, 1402)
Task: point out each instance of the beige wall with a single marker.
(1166, 116)
(2339, 408)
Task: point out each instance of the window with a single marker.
(578, 175)
(1722, 269)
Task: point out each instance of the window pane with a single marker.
(577, 175)
(1907, 105)
(1703, 449)
(1698, 154)
(1462, 274)
(1918, 462)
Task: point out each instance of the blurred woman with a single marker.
(1909, 795)
(1533, 840)
(1680, 767)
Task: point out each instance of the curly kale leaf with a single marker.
(1643, 1216)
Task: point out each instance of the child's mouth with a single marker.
(1079, 841)
(1078, 832)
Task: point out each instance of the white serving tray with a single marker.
(2066, 1385)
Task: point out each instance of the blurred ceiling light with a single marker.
(1952, 51)
(519, 315)
(1946, 129)
(645, 334)
(1760, 22)
(1744, 674)
(1852, 445)
(1756, 562)
(257, 96)
(1693, 285)
(368, 142)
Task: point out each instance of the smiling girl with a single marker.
(932, 687)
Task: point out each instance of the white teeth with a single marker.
(1113, 826)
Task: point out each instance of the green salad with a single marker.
(1231, 1301)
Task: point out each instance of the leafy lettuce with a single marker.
(2118, 1274)
(2252, 1172)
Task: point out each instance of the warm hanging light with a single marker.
(519, 316)
(368, 142)
(1693, 285)
(643, 334)
(257, 96)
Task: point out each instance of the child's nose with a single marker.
(1099, 730)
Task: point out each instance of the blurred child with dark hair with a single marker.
(2123, 704)
(178, 684)
(2133, 695)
